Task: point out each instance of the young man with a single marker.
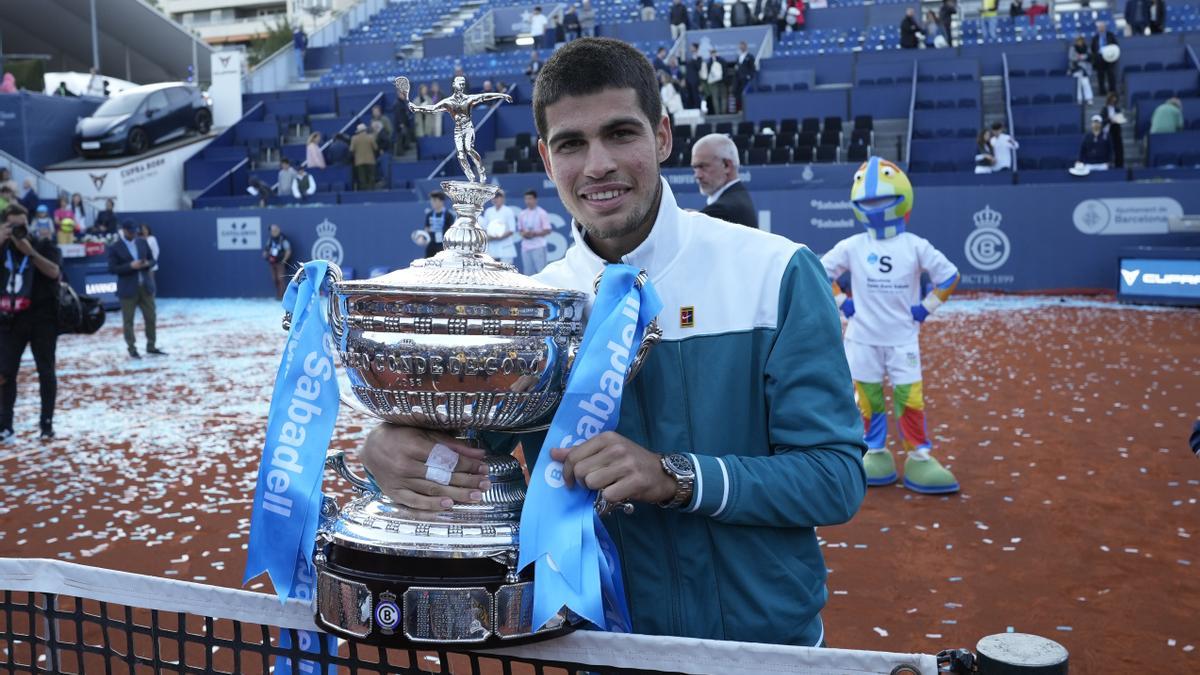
(500, 223)
(286, 178)
(750, 384)
(885, 315)
(438, 220)
(534, 225)
(28, 315)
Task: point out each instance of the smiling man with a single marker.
(740, 434)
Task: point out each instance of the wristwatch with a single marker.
(679, 467)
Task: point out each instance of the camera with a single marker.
(19, 231)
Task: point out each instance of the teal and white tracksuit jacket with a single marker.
(757, 390)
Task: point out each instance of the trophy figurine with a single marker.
(462, 343)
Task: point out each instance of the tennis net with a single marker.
(59, 617)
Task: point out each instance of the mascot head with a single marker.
(882, 197)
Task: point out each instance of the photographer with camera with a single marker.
(277, 253)
(28, 315)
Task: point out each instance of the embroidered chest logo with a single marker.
(687, 317)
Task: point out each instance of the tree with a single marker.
(277, 36)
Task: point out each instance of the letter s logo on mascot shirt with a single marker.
(885, 264)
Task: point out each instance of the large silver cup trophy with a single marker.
(462, 343)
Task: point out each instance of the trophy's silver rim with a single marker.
(357, 287)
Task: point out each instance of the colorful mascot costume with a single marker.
(884, 311)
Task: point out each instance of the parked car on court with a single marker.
(134, 120)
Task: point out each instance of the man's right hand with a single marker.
(395, 455)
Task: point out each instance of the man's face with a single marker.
(498, 200)
(908, 12)
(711, 172)
(1096, 126)
(376, 112)
(127, 233)
(603, 156)
(742, 47)
(275, 230)
(1101, 27)
(436, 204)
(530, 201)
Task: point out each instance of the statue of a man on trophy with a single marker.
(459, 105)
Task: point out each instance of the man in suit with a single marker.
(716, 14)
(130, 259)
(692, 76)
(715, 165)
(745, 71)
(1106, 73)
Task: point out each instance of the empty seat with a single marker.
(742, 141)
(811, 124)
(723, 128)
(524, 140)
(745, 128)
(806, 138)
(524, 166)
(789, 125)
(704, 129)
(681, 131)
(827, 153)
(831, 137)
(864, 122)
(764, 141)
(757, 156)
(860, 137)
(834, 123)
(858, 153)
(501, 166)
(514, 153)
(802, 154)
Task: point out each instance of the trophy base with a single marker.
(394, 601)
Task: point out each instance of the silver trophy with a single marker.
(462, 343)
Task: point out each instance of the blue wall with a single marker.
(1025, 238)
(39, 129)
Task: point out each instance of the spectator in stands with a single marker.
(29, 195)
(147, 234)
(433, 123)
(6, 179)
(1113, 119)
(305, 185)
(404, 125)
(287, 176)
(933, 31)
(377, 131)
(1079, 66)
(535, 65)
(772, 15)
(587, 18)
(946, 15)
(61, 90)
(571, 23)
(671, 99)
(130, 259)
(42, 226)
(1036, 9)
(313, 158)
(80, 212)
(1158, 16)
(699, 19)
(648, 13)
(106, 221)
(421, 120)
(715, 166)
(1004, 148)
(1137, 16)
(9, 84)
(716, 14)
(555, 35)
(500, 223)
(387, 131)
(299, 45)
(533, 224)
(63, 211)
(910, 30)
(1106, 71)
(6, 197)
(679, 19)
(740, 14)
(987, 18)
(714, 76)
(1095, 152)
(794, 17)
(338, 151)
(363, 149)
(1015, 9)
(29, 304)
(691, 77)
(660, 61)
(277, 253)
(985, 161)
(438, 219)
(537, 25)
(1167, 117)
(67, 229)
(746, 70)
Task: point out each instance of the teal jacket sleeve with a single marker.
(813, 473)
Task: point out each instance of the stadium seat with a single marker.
(864, 122)
(827, 154)
(802, 154)
(766, 141)
(858, 153)
(501, 166)
(789, 125)
(514, 153)
(834, 123)
(861, 137)
(703, 129)
(767, 124)
(831, 137)
(811, 124)
(524, 166)
(745, 128)
(757, 156)
(524, 139)
(723, 128)
(743, 142)
(781, 156)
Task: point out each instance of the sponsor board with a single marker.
(1178, 278)
(1128, 215)
(239, 234)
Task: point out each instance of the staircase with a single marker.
(890, 138)
(454, 19)
(995, 107)
(1135, 150)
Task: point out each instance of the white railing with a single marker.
(481, 35)
(46, 188)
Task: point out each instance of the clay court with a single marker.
(1065, 420)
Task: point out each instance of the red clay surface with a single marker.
(1066, 424)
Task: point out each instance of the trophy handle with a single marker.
(652, 336)
(334, 275)
(337, 461)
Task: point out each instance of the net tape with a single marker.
(63, 617)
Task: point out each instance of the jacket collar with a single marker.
(662, 246)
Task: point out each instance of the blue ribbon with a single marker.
(287, 498)
(575, 562)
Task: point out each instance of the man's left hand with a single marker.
(24, 245)
(919, 313)
(621, 469)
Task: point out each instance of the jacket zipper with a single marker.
(672, 553)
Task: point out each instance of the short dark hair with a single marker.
(437, 194)
(285, 160)
(15, 210)
(531, 193)
(591, 65)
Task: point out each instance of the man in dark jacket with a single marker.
(715, 166)
(739, 14)
(946, 17)
(130, 259)
(692, 76)
(678, 19)
(1096, 150)
(28, 315)
(716, 14)
(1158, 16)
(570, 23)
(910, 30)
(745, 71)
(1106, 72)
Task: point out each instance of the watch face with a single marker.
(681, 464)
